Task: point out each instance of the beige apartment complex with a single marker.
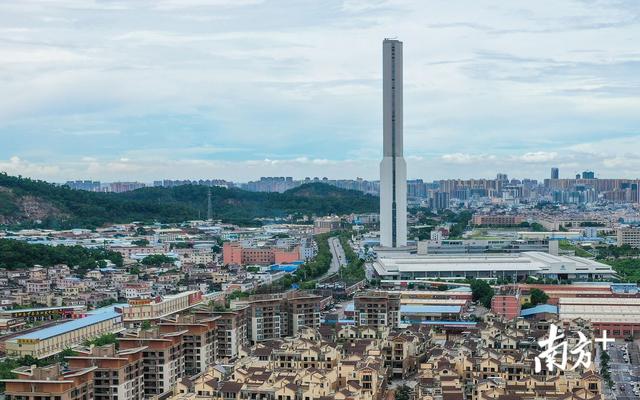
(199, 342)
(163, 358)
(377, 309)
(118, 374)
(231, 332)
(304, 367)
(279, 315)
(138, 310)
(51, 382)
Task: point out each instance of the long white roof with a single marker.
(599, 309)
(533, 262)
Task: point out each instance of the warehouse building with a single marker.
(619, 316)
(53, 340)
(406, 267)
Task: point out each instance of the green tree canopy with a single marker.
(15, 254)
(157, 260)
(482, 292)
(140, 242)
(538, 297)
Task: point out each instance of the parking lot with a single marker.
(625, 369)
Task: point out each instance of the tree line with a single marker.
(68, 208)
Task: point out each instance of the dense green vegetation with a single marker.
(420, 233)
(628, 269)
(460, 222)
(537, 297)
(534, 226)
(481, 292)
(306, 275)
(107, 338)
(403, 393)
(140, 242)
(592, 224)
(625, 260)
(579, 251)
(15, 254)
(605, 372)
(354, 271)
(62, 207)
(613, 251)
(157, 260)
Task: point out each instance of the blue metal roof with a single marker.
(108, 308)
(420, 309)
(70, 326)
(459, 289)
(542, 308)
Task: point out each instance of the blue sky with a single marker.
(237, 89)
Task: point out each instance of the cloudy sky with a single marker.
(237, 89)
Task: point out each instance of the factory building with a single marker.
(53, 340)
(619, 316)
(405, 267)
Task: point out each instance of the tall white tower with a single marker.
(393, 168)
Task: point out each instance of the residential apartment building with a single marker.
(38, 286)
(326, 224)
(231, 331)
(403, 351)
(303, 367)
(163, 359)
(506, 303)
(497, 362)
(628, 236)
(130, 251)
(199, 341)
(50, 382)
(379, 310)
(279, 315)
(117, 374)
(303, 310)
(138, 310)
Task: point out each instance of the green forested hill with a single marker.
(24, 202)
(15, 254)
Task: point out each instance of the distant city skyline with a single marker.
(537, 176)
(238, 89)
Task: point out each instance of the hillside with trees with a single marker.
(33, 203)
(15, 254)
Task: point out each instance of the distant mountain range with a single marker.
(26, 202)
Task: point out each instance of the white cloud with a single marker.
(537, 157)
(296, 84)
(463, 158)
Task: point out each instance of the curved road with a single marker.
(338, 258)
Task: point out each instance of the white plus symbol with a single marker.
(604, 340)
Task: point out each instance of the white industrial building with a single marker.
(489, 266)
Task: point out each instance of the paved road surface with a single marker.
(623, 373)
(338, 259)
